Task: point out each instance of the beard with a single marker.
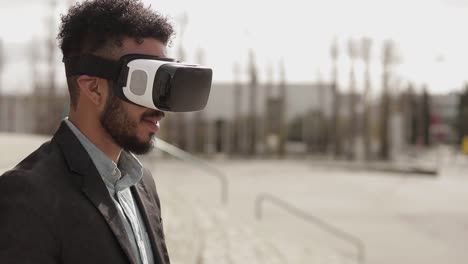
(123, 129)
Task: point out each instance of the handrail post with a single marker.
(185, 156)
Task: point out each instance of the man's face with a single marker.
(131, 126)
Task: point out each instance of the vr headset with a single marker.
(150, 81)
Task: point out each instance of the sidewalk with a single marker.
(399, 219)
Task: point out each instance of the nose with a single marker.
(154, 113)
(160, 114)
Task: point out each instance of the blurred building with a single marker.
(307, 113)
(444, 117)
(33, 113)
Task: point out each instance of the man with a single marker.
(83, 197)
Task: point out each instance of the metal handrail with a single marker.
(360, 256)
(185, 156)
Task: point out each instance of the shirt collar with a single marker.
(126, 173)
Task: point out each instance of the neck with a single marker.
(93, 130)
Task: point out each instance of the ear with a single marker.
(90, 88)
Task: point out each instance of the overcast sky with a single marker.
(430, 35)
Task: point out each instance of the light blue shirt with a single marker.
(118, 179)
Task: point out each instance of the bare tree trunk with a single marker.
(54, 109)
(268, 120)
(384, 151)
(352, 122)
(236, 124)
(426, 117)
(37, 95)
(388, 60)
(283, 117)
(322, 122)
(335, 130)
(252, 147)
(366, 122)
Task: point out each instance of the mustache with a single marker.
(153, 113)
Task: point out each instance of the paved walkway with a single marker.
(400, 218)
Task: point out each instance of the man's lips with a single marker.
(152, 123)
(151, 120)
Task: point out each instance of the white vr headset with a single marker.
(150, 81)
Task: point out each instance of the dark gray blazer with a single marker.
(55, 208)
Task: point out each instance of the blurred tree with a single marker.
(323, 126)
(38, 103)
(335, 126)
(284, 106)
(389, 58)
(296, 127)
(253, 83)
(426, 117)
(51, 49)
(411, 115)
(237, 126)
(270, 83)
(353, 98)
(268, 118)
(219, 132)
(34, 58)
(366, 44)
(462, 114)
(53, 109)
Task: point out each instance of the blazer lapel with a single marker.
(151, 216)
(92, 186)
(98, 194)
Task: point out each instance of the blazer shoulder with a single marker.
(37, 158)
(16, 183)
(20, 191)
(31, 178)
(36, 177)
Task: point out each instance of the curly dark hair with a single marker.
(95, 26)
